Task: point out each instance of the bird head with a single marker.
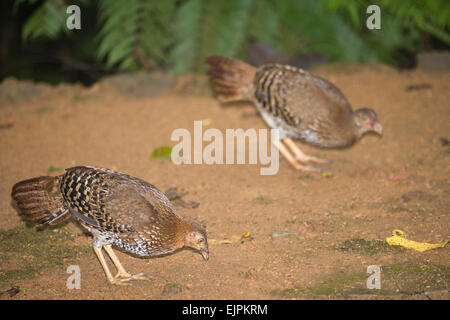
(366, 121)
(196, 239)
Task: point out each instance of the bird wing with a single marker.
(134, 202)
(112, 201)
(297, 96)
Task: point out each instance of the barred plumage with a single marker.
(301, 105)
(40, 201)
(271, 91)
(85, 190)
(118, 209)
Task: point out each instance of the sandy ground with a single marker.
(312, 235)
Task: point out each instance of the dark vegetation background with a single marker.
(176, 35)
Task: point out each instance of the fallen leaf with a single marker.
(161, 152)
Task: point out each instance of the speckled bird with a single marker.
(301, 105)
(119, 210)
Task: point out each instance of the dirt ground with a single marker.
(311, 235)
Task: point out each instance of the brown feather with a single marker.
(302, 105)
(117, 208)
(232, 79)
(39, 200)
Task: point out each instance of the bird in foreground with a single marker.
(119, 210)
(301, 105)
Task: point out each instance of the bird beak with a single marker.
(205, 254)
(378, 128)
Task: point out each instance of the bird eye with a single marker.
(201, 240)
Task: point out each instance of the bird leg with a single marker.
(121, 272)
(285, 152)
(111, 279)
(299, 155)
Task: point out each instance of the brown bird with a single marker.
(119, 210)
(301, 105)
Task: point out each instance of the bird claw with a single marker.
(301, 167)
(126, 279)
(121, 281)
(140, 276)
(319, 160)
(312, 169)
(306, 158)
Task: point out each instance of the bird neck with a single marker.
(358, 130)
(338, 136)
(166, 234)
(177, 233)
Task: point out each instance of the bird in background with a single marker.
(301, 105)
(117, 209)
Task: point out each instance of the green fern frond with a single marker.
(231, 29)
(179, 34)
(187, 36)
(264, 23)
(209, 27)
(118, 34)
(131, 26)
(430, 16)
(155, 37)
(49, 20)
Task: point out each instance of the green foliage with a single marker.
(53, 169)
(178, 35)
(47, 21)
(133, 30)
(205, 27)
(161, 153)
(187, 27)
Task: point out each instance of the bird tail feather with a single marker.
(232, 79)
(40, 200)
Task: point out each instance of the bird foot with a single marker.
(124, 278)
(299, 155)
(305, 158)
(301, 167)
(121, 281)
(138, 276)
